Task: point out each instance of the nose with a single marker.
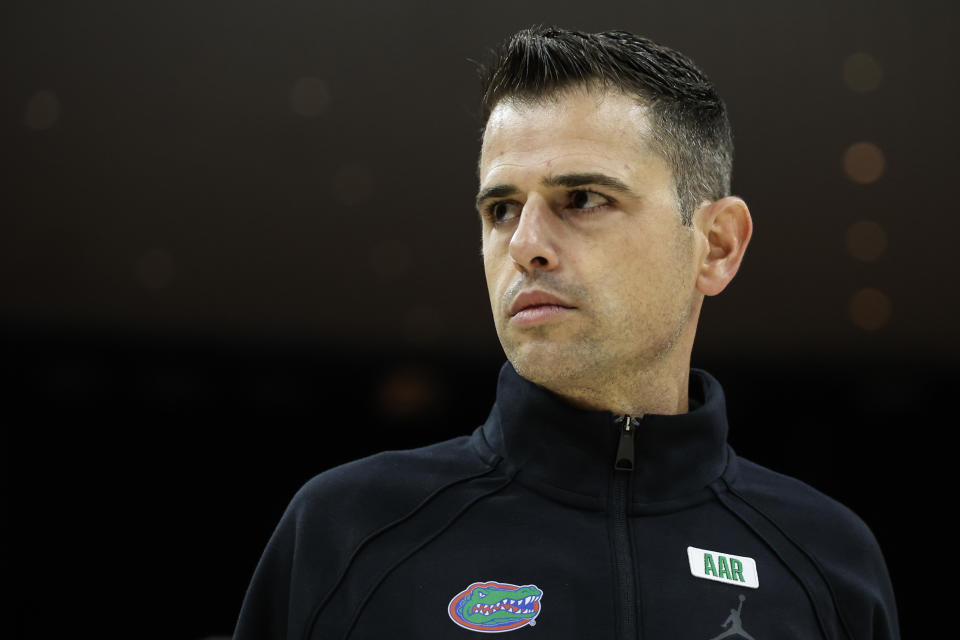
(533, 243)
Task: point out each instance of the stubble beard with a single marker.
(608, 351)
(586, 362)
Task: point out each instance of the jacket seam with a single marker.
(813, 560)
(346, 568)
(806, 588)
(490, 456)
(417, 548)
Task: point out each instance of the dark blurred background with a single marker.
(238, 247)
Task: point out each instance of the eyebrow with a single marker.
(568, 180)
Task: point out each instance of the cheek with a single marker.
(493, 270)
(629, 276)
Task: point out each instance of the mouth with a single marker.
(539, 313)
(533, 307)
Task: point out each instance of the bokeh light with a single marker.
(408, 392)
(863, 162)
(870, 309)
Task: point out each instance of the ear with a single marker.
(727, 226)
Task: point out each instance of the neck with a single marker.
(636, 393)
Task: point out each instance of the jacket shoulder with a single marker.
(842, 544)
(332, 515)
(388, 482)
(800, 506)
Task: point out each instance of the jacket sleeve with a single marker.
(323, 525)
(884, 624)
(857, 571)
(265, 613)
(844, 547)
(299, 566)
(327, 522)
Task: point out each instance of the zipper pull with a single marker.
(624, 461)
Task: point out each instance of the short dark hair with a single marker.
(690, 128)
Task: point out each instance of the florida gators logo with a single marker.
(495, 607)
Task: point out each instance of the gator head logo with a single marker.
(493, 607)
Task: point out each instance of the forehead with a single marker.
(579, 129)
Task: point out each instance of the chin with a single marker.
(546, 365)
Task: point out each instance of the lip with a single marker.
(537, 298)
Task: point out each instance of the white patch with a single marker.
(723, 567)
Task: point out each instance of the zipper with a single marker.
(624, 461)
(622, 548)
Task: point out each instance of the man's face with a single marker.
(581, 231)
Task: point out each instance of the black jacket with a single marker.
(526, 526)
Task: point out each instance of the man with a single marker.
(600, 499)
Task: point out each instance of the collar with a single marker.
(570, 452)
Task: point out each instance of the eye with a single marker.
(481, 594)
(502, 211)
(586, 200)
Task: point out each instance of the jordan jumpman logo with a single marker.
(733, 621)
